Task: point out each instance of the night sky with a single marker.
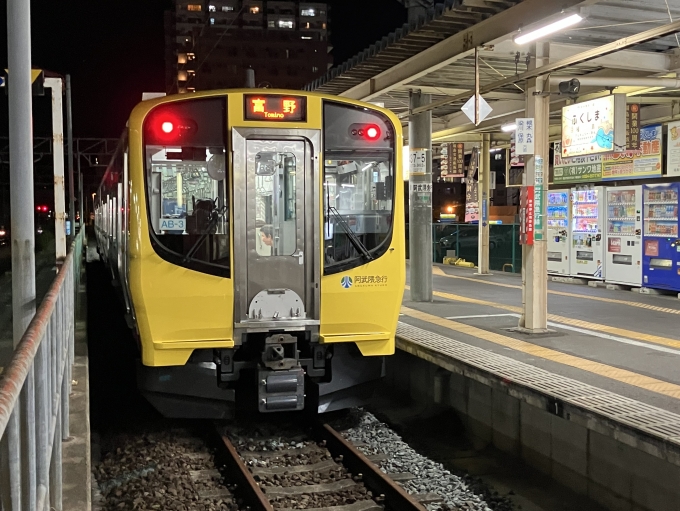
(114, 51)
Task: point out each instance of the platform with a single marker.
(594, 403)
(624, 342)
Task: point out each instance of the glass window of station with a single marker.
(187, 197)
(358, 186)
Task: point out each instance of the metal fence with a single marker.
(505, 252)
(34, 397)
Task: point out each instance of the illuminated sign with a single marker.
(594, 127)
(275, 108)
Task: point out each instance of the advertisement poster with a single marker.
(633, 126)
(453, 160)
(578, 169)
(614, 245)
(527, 212)
(673, 149)
(588, 128)
(645, 162)
(642, 163)
(652, 248)
(472, 189)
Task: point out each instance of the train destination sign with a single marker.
(263, 107)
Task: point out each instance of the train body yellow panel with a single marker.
(258, 236)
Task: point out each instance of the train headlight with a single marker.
(167, 127)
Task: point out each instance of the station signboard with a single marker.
(594, 127)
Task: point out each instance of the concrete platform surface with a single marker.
(624, 342)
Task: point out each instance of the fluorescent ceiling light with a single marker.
(548, 29)
(509, 127)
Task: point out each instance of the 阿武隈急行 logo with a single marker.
(346, 282)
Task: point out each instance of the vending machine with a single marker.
(587, 243)
(661, 246)
(623, 259)
(558, 232)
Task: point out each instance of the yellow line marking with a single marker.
(621, 332)
(439, 272)
(606, 371)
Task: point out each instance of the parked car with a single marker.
(467, 238)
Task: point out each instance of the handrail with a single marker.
(34, 397)
(14, 375)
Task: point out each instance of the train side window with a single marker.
(188, 200)
(358, 200)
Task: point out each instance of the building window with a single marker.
(182, 76)
(227, 8)
(308, 12)
(211, 8)
(306, 37)
(212, 21)
(285, 24)
(271, 24)
(194, 7)
(181, 58)
(315, 69)
(254, 10)
(323, 26)
(191, 56)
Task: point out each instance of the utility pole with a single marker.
(71, 182)
(535, 257)
(420, 199)
(19, 442)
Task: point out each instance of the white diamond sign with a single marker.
(469, 109)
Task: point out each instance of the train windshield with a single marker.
(358, 186)
(186, 183)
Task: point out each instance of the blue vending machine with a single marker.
(661, 246)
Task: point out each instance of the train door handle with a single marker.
(301, 256)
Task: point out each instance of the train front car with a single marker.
(266, 250)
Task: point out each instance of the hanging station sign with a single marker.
(594, 127)
(524, 136)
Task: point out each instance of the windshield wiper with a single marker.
(353, 238)
(217, 214)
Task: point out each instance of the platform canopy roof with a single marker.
(436, 56)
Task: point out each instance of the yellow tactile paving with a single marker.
(439, 272)
(606, 371)
(621, 332)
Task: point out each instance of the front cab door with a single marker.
(276, 270)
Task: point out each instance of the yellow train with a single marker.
(257, 239)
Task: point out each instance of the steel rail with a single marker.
(391, 495)
(244, 479)
(396, 498)
(579, 58)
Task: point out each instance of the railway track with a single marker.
(318, 470)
